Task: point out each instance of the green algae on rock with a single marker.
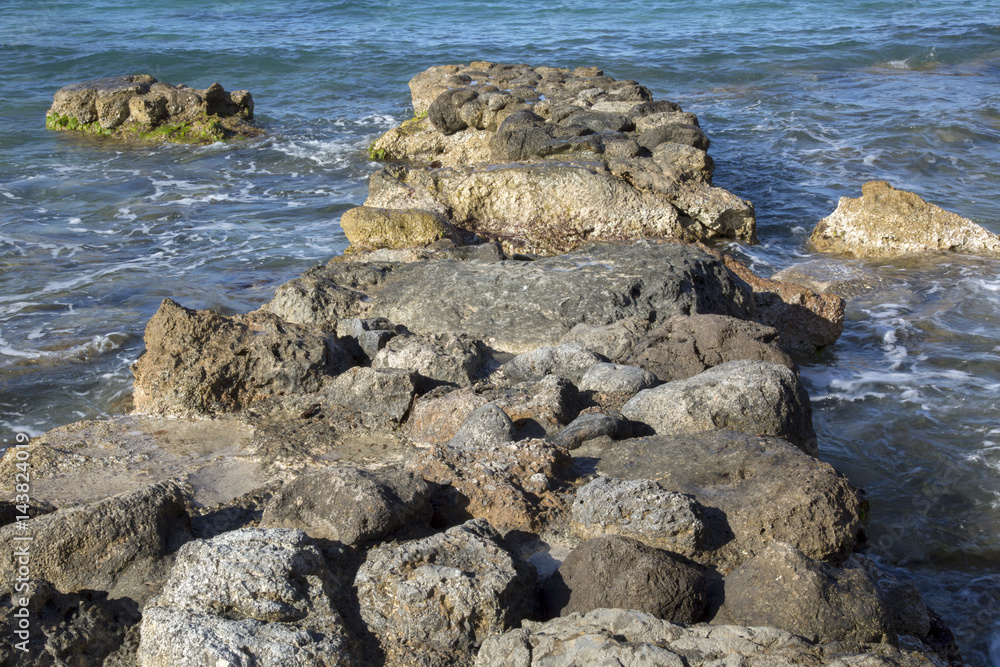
(138, 107)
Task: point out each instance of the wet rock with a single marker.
(201, 362)
(675, 133)
(122, 545)
(370, 228)
(754, 397)
(590, 426)
(566, 360)
(350, 505)
(886, 222)
(436, 359)
(846, 279)
(140, 107)
(251, 596)
(485, 426)
(781, 587)
(640, 509)
(616, 378)
(620, 572)
(755, 490)
(514, 486)
(683, 346)
(443, 594)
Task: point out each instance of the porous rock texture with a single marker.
(886, 222)
(140, 107)
(545, 159)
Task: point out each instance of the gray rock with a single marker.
(588, 427)
(385, 392)
(640, 509)
(249, 597)
(447, 592)
(613, 341)
(845, 278)
(910, 614)
(436, 359)
(567, 360)
(485, 426)
(350, 505)
(616, 378)
(755, 490)
(748, 396)
(783, 588)
(683, 346)
(120, 545)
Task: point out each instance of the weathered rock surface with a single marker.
(518, 306)
(641, 509)
(140, 107)
(617, 378)
(783, 588)
(617, 636)
(444, 358)
(614, 341)
(486, 426)
(202, 362)
(350, 505)
(886, 222)
(122, 545)
(590, 426)
(754, 397)
(443, 595)
(550, 158)
(247, 597)
(369, 228)
(683, 346)
(754, 490)
(612, 571)
(567, 360)
(845, 278)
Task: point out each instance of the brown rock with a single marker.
(371, 228)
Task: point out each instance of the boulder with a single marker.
(436, 359)
(486, 426)
(370, 228)
(122, 545)
(616, 378)
(683, 346)
(140, 107)
(590, 426)
(385, 393)
(886, 222)
(641, 509)
(201, 362)
(350, 505)
(845, 278)
(612, 571)
(783, 588)
(251, 596)
(514, 486)
(754, 490)
(567, 360)
(444, 594)
(754, 397)
(613, 341)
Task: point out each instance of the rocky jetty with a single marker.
(450, 455)
(886, 222)
(139, 107)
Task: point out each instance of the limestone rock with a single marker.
(348, 504)
(140, 107)
(386, 393)
(620, 572)
(486, 426)
(445, 593)
(590, 426)
(201, 362)
(566, 360)
(754, 397)
(886, 222)
(613, 341)
(783, 588)
(616, 378)
(683, 346)
(444, 358)
(370, 228)
(845, 278)
(754, 490)
(251, 596)
(122, 545)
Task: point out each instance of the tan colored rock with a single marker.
(372, 228)
(886, 222)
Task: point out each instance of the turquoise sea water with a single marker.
(803, 102)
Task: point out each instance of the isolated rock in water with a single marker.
(443, 594)
(369, 228)
(203, 363)
(251, 596)
(886, 222)
(117, 545)
(350, 505)
(683, 346)
(545, 159)
(641, 509)
(140, 107)
(754, 490)
(567, 360)
(783, 588)
(518, 306)
(845, 278)
(514, 486)
(753, 397)
(627, 637)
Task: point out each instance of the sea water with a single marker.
(803, 101)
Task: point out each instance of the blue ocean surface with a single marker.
(803, 102)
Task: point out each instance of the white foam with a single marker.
(332, 152)
(96, 346)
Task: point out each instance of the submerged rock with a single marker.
(140, 107)
(886, 222)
